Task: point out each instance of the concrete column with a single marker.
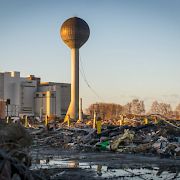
(73, 109)
(48, 103)
(74, 83)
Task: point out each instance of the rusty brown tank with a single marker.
(74, 32)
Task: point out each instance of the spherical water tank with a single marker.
(74, 32)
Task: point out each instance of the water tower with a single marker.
(74, 32)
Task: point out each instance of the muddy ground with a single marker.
(60, 164)
(72, 153)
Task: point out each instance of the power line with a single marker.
(86, 81)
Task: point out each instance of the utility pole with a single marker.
(80, 111)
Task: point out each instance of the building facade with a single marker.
(28, 96)
(52, 99)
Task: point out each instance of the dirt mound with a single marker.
(14, 134)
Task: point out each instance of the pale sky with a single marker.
(133, 49)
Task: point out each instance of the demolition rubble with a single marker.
(14, 157)
(161, 139)
(153, 136)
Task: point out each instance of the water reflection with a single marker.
(73, 164)
(122, 171)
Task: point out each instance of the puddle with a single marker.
(107, 172)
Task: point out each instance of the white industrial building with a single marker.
(28, 96)
(52, 99)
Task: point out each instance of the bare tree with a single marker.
(177, 111)
(137, 107)
(161, 108)
(105, 110)
(155, 108)
(127, 108)
(134, 107)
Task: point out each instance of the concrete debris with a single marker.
(160, 139)
(126, 138)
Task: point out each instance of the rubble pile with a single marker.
(162, 139)
(158, 139)
(14, 158)
(14, 135)
(14, 168)
(116, 122)
(63, 138)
